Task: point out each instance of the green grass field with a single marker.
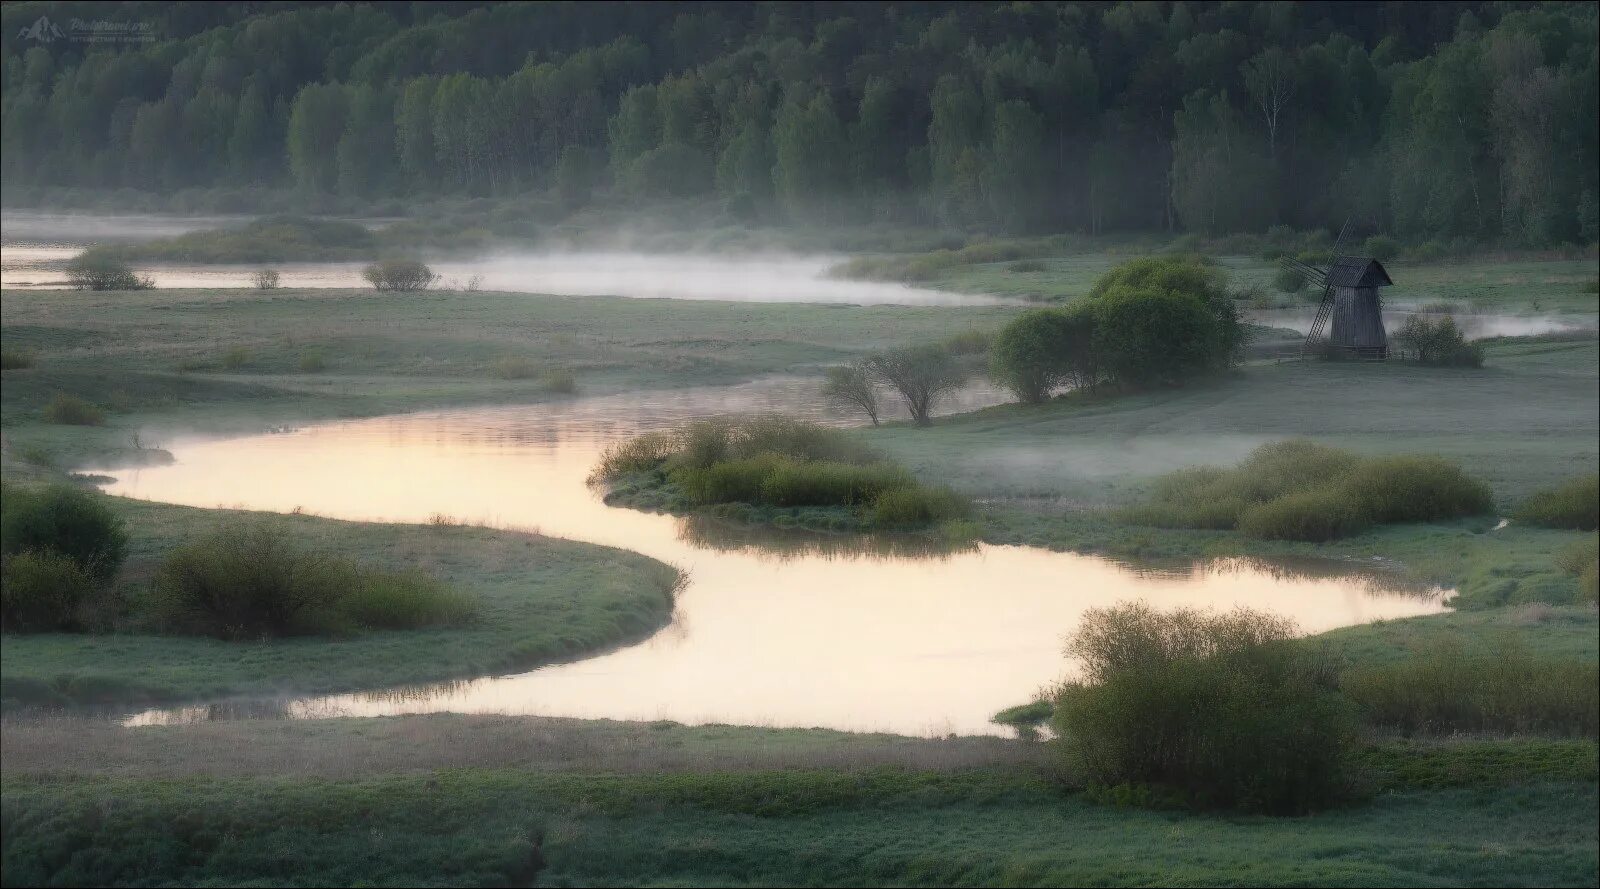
(541, 599)
(1460, 813)
(496, 800)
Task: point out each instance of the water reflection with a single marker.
(776, 627)
(788, 544)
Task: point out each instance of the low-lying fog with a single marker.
(36, 247)
(1474, 326)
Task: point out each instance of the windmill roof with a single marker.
(1357, 271)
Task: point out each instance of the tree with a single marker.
(1270, 78)
(1016, 168)
(920, 374)
(851, 388)
(1029, 357)
(316, 124)
(809, 148)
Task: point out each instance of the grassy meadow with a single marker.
(496, 801)
(448, 799)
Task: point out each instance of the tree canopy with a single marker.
(1428, 120)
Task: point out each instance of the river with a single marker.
(773, 629)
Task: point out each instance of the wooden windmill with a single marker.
(1349, 319)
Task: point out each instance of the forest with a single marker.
(1470, 122)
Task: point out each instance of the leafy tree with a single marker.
(920, 374)
(851, 388)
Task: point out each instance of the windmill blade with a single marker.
(1314, 275)
(1338, 243)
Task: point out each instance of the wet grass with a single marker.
(538, 600)
(1440, 819)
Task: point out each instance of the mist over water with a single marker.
(1474, 326)
(37, 246)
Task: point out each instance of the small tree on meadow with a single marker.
(851, 388)
(399, 275)
(920, 374)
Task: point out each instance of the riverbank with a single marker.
(540, 600)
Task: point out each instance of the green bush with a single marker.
(1289, 280)
(561, 382)
(43, 592)
(1575, 505)
(251, 583)
(70, 410)
(729, 480)
(312, 361)
(1582, 560)
(1300, 490)
(1316, 516)
(1438, 341)
(1446, 690)
(1216, 711)
(66, 521)
(96, 269)
(817, 483)
(1414, 489)
(1382, 248)
(1025, 266)
(913, 507)
(1031, 354)
(399, 275)
(16, 359)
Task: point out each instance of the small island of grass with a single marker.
(776, 470)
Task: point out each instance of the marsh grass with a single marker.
(248, 583)
(70, 410)
(1447, 689)
(17, 359)
(1574, 505)
(1300, 490)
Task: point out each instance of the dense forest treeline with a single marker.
(1468, 121)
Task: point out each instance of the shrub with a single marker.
(914, 507)
(1300, 490)
(514, 367)
(266, 279)
(235, 358)
(1315, 516)
(70, 410)
(405, 600)
(1382, 248)
(42, 592)
(96, 270)
(1444, 690)
(312, 361)
(1414, 489)
(1582, 560)
(66, 521)
(16, 359)
(1024, 266)
(1146, 337)
(1438, 341)
(1289, 280)
(399, 275)
(561, 382)
(1218, 711)
(1575, 505)
(248, 583)
(638, 454)
(1030, 355)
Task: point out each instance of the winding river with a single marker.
(773, 629)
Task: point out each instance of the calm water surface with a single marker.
(780, 629)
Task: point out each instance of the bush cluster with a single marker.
(1207, 710)
(1582, 560)
(1157, 320)
(1437, 341)
(1574, 505)
(94, 269)
(254, 582)
(783, 463)
(1300, 490)
(1445, 689)
(70, 410)
(60, 546)
(399, 275)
